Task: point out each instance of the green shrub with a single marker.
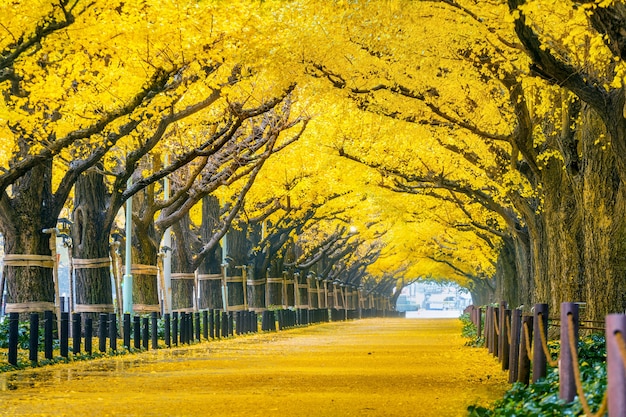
(541, 399)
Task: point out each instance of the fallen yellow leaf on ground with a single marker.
(372, 367)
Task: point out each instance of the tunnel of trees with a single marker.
(313, 154)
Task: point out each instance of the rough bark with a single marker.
(210, 291)
(90, 241)
(23, 218)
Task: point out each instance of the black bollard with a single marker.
(198, 326)
(175, 328)
(218, 324)
(65, 333)
(205, 325)
(33, 343)
(211, 325)
(76, 333)
(145, 332)
(88, 335)
(127, 330)
(48, 324)
(224, 324)
(183, 328)
(231, 324)
(14, 328)
(239, 323)
(102, 332)
(137, 332)
(166, 330)
(155, 335)
(112, 331)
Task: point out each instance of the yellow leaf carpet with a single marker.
(372, 367)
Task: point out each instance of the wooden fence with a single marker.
(519, 341)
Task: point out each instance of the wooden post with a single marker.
(502, 332)
(615, 327)
(505, 331)
(494, 324)
(523, 373)
(516, 324)
(205, 325)
(567, 382)
(539, 357)
(488, 328)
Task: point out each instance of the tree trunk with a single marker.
(183, 277)
(237, 257)
(29, 283)
(210, 270)
(90, 247)
(144, 259)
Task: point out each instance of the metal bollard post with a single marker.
(48, 324)
(155, 336)
(145, 329)
(113, 331)
(137, 332)
(205, 325)
(197, 326)
(34, 337)
(175, 328)
(167, 327)
(567, 380)
(102, 332)
(211, 325)
(539, 358)
(615, 327)
(76, 332)
(64, 335)
(88, 336)
(14, 328)
(127, 330)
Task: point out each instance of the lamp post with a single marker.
(127, 285)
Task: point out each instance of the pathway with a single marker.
(373, 367)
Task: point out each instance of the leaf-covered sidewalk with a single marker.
(374, 367)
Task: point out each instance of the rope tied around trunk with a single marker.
(577, 379)
(544, 344)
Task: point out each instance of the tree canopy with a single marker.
(476, 142)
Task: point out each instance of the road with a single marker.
(372, 367)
